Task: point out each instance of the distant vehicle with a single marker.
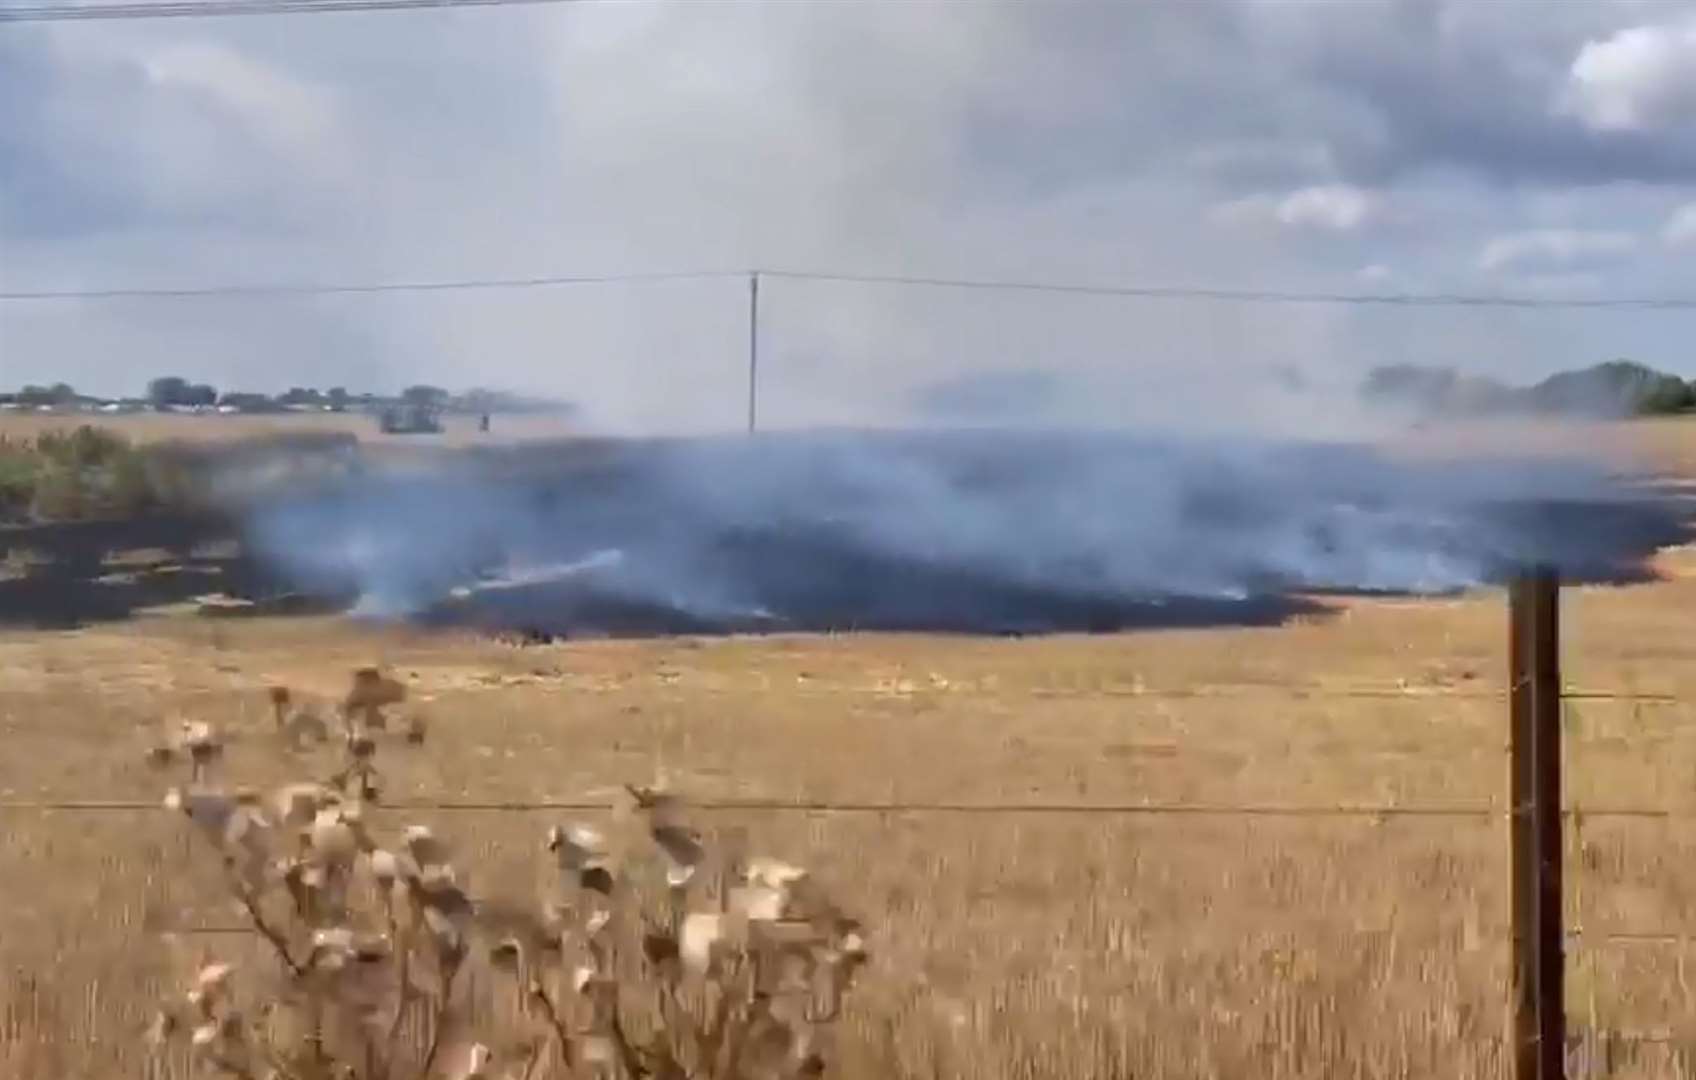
(411, 418)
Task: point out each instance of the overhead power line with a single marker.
(343, 288)
(1254, 296)
(1127, 291)
(169, 9)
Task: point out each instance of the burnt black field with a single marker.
(970, 532)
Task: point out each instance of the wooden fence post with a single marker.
(1539, 991)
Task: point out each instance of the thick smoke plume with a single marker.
(978, 531)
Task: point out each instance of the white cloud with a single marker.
(1680, 228)
(264, 96)
(1639, 79)
(1376, 272)
(1330, 207)
(1554, 247)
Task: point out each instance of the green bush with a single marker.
(19, 468)
(130, 486)
(90, 472)
(94, 472)
(85, 448)
(61, 494)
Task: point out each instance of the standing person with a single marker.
(483, 424)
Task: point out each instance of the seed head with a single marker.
(388, 867)
(440, 892)
(507, 953)
(200, 740)
(332, 838)
(664, 809)
(210, 810)
(299, 804)
(771, 873)
(213, 978)
(577, 847)
(477, 1061)
(361, 744)
(758, 903)
(332, 947)
(596, 922)
(450, 943)
(700, 932)
(681, 845)
(304, 725)
(372, 690)
(424, 846)
(159, 1032)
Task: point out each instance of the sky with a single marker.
(1543, 148)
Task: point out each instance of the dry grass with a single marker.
(1004, 946)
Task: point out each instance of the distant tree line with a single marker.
(175, 393)
(1617, 388)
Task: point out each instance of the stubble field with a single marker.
(1064, 943)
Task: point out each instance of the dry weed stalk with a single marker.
(697, 965)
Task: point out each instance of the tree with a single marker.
(425, 395)
(167, 390)
(248, 402)
(57, 394)
(302, 395)
(338, 398)
(200, 394)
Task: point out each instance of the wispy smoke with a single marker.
(969, 530)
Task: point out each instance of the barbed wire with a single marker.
(1413, 693)
(826, 806)
(893, 808)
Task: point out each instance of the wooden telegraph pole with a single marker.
(1539, 991)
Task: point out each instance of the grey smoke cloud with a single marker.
(977, 529)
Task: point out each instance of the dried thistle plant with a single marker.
(371, 692)
(731, 968)
(691, 965)
(195, 741)
(368, 946)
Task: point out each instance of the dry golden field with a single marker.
(1006, 945)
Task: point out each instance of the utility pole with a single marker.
(753, 349)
